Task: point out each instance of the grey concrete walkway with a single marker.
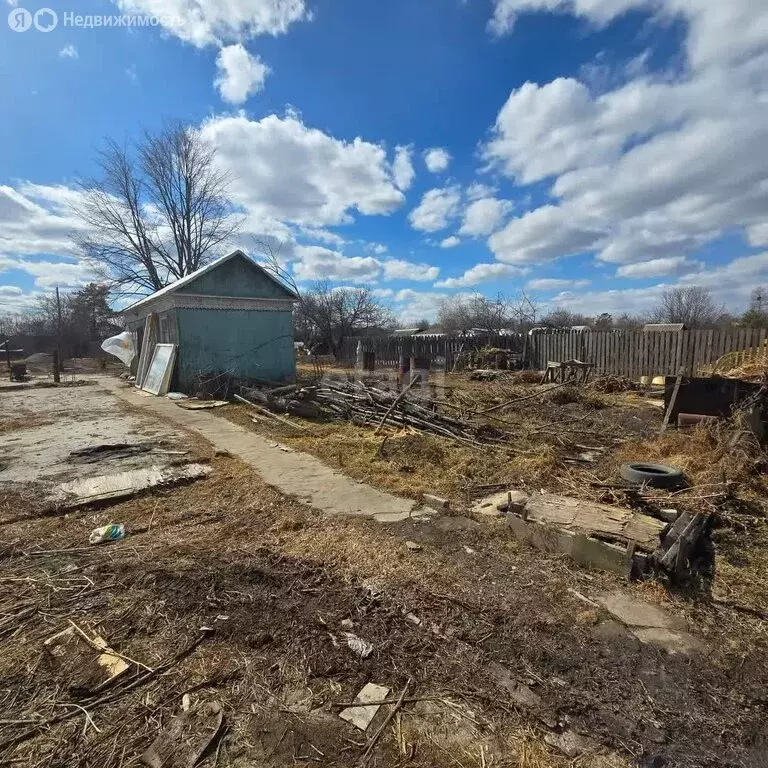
(291, 472)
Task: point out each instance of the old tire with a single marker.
(654, 475)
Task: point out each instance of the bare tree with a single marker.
(326, 316)
(157, 212)
(478, 312)
(692, 305)
(564, 318)
(525, 310)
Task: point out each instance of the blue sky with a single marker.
(589, 152)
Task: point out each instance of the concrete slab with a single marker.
(667, 640)
(650, 623)
(294, 473)
(635, 613)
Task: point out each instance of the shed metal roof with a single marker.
(665, 327)
(192, 276)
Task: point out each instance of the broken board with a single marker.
(362, 716)
(148, 342)
(183, 742)
(85, 668)
(90, 490)
(601, 520)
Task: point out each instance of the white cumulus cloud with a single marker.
(284, 170)
(555, 284)
(437, 159)
(239, 74)
(402, 167)
(208, 22)
(484, 216)
(436, 209)
(68, 52)
(649, 170)
(450, 242)
(480, 273)
(672, 265)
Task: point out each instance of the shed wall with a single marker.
(248, 344)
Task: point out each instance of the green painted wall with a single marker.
(237, 277)
(256, 345)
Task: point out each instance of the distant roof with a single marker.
(580, 328)
(192, 276)
(406, 331)
(665, 327)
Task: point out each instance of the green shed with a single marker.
(230, 318)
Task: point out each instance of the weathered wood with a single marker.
(671, 407)
(578, 516)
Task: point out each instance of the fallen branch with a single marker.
(269, 413)
(395, 404)
(372, 743)
(522, 399)
(107, 699)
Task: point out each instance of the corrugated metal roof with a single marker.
(187, 279)
(665, 327)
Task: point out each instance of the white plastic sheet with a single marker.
(122, 346)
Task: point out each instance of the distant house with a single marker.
(230, 316)
(665, 327)
(407, 331)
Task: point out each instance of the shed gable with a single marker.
(237, 277)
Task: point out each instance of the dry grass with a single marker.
(706, 455)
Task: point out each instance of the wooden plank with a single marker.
(671, 406)
(761, 355)
(708, 348)
(580, 516)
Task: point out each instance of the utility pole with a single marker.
(57, 355)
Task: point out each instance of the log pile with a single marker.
(367, 405)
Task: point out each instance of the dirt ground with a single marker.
(226, 590)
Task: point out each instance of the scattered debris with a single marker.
(611, 384)
(571, 744)
(362, 716)
(587, 531)
(367, 405)
(413, 546)
(199, 405)
(104, 451)
(184, 741)
(86, 662)
(499, 503)
(177, 396)
(361, 647)
(113, 532)
(90, 490)
(348, 624)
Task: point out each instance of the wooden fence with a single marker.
(620, 353)
(440, 350)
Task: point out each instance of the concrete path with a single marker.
(292, 472)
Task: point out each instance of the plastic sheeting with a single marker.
(122, 346)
